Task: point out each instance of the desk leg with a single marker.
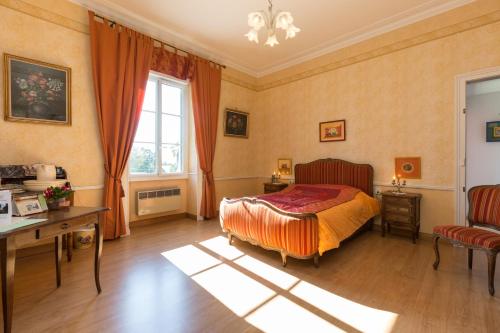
(69, 246)
(58, 253)
(99, 234)
(8, 254)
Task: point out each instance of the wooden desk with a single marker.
(58, 224)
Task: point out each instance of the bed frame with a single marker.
(256, 231)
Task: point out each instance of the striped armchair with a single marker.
(484, 212)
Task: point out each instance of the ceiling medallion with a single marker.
(271, 21)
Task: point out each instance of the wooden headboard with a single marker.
(335, 171)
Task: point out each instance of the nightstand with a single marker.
(401, 211)
(274, 187)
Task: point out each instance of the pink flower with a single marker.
(32, 93)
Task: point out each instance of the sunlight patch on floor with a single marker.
(267, 272)
(361, 317)
(267, 309)
(282, 315)
(220, 245)
(190, 259)
(238, 292)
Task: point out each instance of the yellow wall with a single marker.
(56, 31)
(396, 92)
(77, 147)
(397, 104)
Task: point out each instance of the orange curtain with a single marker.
(173, 64)
(206, 83)
(121, 59)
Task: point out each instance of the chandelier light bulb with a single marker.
(256, 20)
(272, 40)
(253, 36)
(291, 31)
(271, 21)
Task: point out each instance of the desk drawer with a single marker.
(64, 227)
(394, 217)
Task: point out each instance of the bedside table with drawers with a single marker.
(401, 211)
(274, 187)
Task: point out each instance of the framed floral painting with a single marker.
(36, 91)
(235, 123)
(332, 131)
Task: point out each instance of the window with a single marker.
(159, 144)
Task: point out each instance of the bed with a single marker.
(330, 201)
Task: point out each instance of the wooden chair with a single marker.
(484, 211)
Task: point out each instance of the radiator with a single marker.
(158, 201)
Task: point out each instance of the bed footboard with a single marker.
(258, 222)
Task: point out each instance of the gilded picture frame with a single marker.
(236, 123)
(36, 91)
(285, 166)
(493, 131)
(330, 131)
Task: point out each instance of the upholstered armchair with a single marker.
(484, 212)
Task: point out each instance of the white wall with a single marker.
(483, 158)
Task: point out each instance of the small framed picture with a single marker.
(408, 167)
(332, 131)
(285, 166)
(235, 123)
(36, 91)
(493, 131)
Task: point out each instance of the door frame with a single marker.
(461, 104)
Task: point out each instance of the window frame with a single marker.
(160, 80)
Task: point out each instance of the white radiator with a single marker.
(158, 201)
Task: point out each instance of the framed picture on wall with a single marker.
(235, 123)
(36, 91)
(493, 131)
(285, 166)
(332, 131)
(408, 167)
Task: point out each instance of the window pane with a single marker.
(143, 158)
(171, 98)
(171, 158)
(150, 97)
(146, 131)
(171, 129)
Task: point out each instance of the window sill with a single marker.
(178, 176)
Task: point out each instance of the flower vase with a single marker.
(58, 204)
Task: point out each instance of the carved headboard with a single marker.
(335, 171)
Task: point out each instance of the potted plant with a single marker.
(57, 196)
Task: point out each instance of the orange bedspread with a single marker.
(321, 232)
(338, 223)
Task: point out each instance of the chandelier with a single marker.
(272, 22)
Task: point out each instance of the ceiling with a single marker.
(216, 28)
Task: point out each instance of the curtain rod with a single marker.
(162, 42)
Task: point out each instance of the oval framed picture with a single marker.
(408, 167)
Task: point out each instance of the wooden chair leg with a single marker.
(69, 249)
(436, 251)
(492, 258)
(469, 256)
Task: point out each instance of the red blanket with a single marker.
(303, 198)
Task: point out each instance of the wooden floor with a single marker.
(370, 284)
